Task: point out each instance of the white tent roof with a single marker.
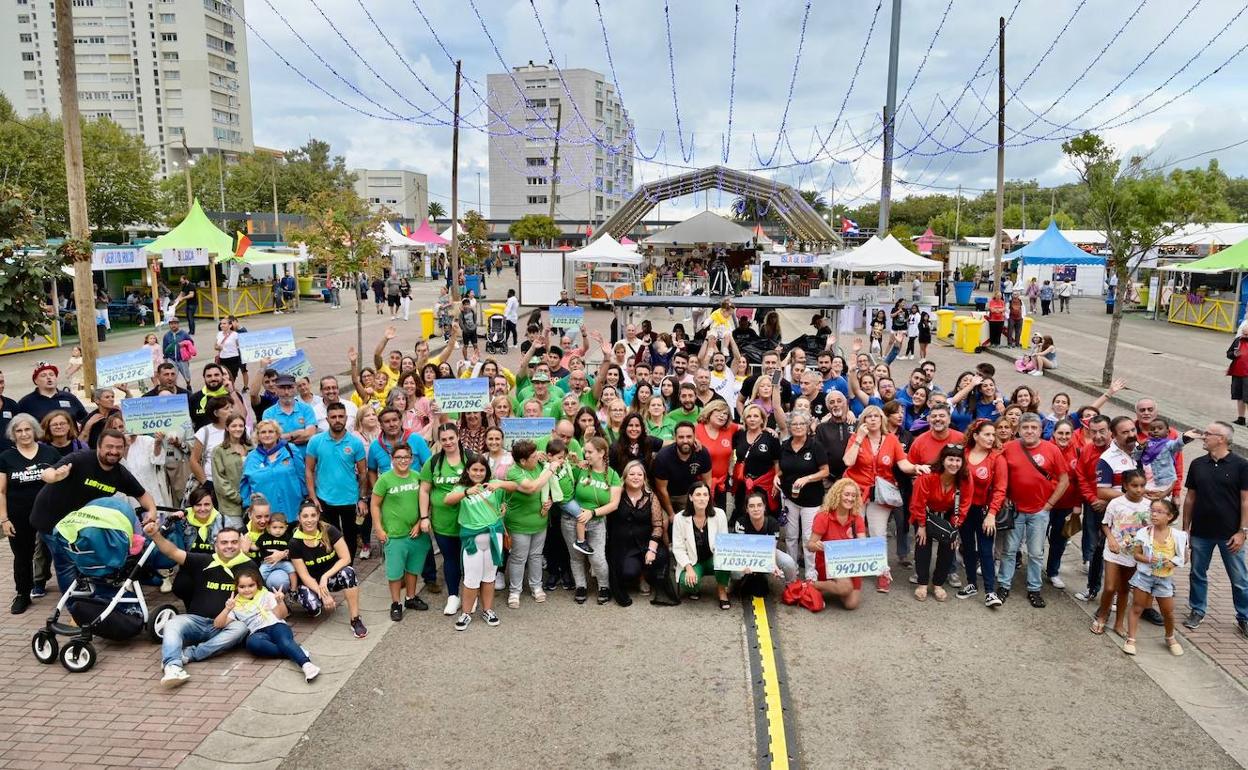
(704, 227)
(1074, 236)
(884, 254)
(606, 249)
(447, 232)
(394, 238)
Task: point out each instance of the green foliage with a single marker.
(533, 227)
(969, 272)
(903, 234)
(745, 209)
(474, 242)
(22, 276)
(436, 211)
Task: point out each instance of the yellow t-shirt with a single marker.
(1166, 551)
(648, 282)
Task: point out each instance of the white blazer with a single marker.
(684, 547)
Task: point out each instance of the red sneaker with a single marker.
(883, 583)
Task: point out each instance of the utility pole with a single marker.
(76, 189)
(890, 107)
(480, 210)
(221, 174)
(277, 230)
(999, 220)
(957, 215)
(186, 170)
(1053, 204)
(455, 191)
(554, 161)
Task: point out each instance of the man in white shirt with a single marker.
(330, 394)
(511, 314)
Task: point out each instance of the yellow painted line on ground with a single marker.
(779, 745)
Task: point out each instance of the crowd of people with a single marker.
(284, 486)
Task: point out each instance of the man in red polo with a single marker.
(1038, 479)
(925, 449)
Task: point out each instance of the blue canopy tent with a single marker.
(1052, 250)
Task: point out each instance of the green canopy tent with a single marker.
(1233, 259)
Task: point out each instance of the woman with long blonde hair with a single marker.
(840, 519)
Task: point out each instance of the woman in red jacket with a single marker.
(945, 492)
(996, 319)
(1064, 438)
(1238, 371)
(986, 469)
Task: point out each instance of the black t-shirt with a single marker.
(622, 452)
(758, 457)
(315, 556)
(834, 437)
(211, 585)
(39, 406)
(8, 408)
(86, 482)
(743, 526)
(1217, 483)
(24, 482)
(680, 474)
(794, 465)
(267, 545)
(786, 390)
(818, 405)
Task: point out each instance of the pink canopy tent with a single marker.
(926, 242)
(427, 236)
(626, 241)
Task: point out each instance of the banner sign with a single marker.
(517, 428)
(157, 414)
(135, 366)
(736, 553)
(296, 366)
(273, 344)
(855, 558)
(118, 259)
(457, 395)
(792, 260)
(566, 316)
(184, 257)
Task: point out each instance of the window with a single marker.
(30, 75)
(123, 96)
(87, 96)
(169, 55)
(597, 203)
(26, 37)
(537, 181)
(173, 93)
(598, 108)
(175, 112)
(385, 181)
(173, 75)
(609, 188)
(89, 40)
(168, 18)
(218, 44)
(175, 130)
(535, 102)
(28, 56)
(83, 3)
(227, 135)
(23, 18)
(535, 199)
(220, 116)
(32, 93)
(535, 161)
(222, 8)
(168, 37)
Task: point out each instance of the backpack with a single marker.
(186, 350)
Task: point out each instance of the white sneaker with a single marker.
(166, 584)
(513, 601)
(539, 595)
(452, 605)
(310, 671)
(1058, 583)
(175, 676)
(499, 582)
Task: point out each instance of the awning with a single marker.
(605, 249)
(426, 236)
(884, 255)
(196, 232)
(1052, 248)
(1234, 259)
(704, 227)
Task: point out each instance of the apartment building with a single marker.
(404, 193)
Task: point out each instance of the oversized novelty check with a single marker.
(273, 344)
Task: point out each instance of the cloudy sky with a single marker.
(1155, 77)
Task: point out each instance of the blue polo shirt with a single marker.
(379, 453)
(301, 416)
(336, 482)
(836, 383)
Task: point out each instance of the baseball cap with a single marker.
(284, 379)
(43, 366)
(541, 377)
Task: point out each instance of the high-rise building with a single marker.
(405, 194)
(172, 71)
(595, 150)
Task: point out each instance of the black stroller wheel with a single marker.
(78, 656)
(43, 645)
(158, 619)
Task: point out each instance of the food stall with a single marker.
(878, 255)
(603, 272)
(1210, 292)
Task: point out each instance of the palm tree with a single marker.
(436, 210)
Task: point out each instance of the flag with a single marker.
(849, 226)
(241, 244)
(589, 232)
(405, 230)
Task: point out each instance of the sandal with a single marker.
(1098, 626)
(920, 593)
(1129, 646)
(1176, 649)
(724, 604)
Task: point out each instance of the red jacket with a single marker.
(989, 480)
(1073, 495)
(929, 494)
(1239, 364)
(1085, 471)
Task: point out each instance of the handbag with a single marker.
(812, 598)
(1073, 525)
(886, 493)
(792, 593)
(1006, 516)
(940, 528)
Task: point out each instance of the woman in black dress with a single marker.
(637, 542)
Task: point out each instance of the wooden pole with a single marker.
(455, 192)
(76, 189)
(554, 165)
(186, 172)
(999, 220)
(212, 282)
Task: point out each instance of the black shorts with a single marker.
(392, 300)
(470, 337)
(1238, 392)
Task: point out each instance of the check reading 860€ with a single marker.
(159, 414)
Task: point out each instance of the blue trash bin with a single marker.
(981, 304)
(472, 283)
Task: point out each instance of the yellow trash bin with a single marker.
(426, 323)
(498, 307)
(490, 311)
(1024, 335)
(971, 331)
(944, 322)
(959, 322)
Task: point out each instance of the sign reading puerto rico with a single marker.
(135, 366)
(184, 257)
(157, 414)
(562, 316)
(855, 558)
(737, 553)
(455, 395)
(517, 428)
(118, 259)
(273, 344)
(297, 365)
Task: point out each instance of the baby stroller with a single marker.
(106, 598)
(496, 335)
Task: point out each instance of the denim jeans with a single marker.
(1093, 548)
(1202, 554)
(1057, 541)
(278, 577)
(977, 550)
(276, 641)
(596, 534)
(1033, 527)
(452, 571)
(64, 568)
(526, 551)
(194, 637)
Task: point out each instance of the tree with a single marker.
(24, 277)
(342, 234)
(533, 227)
(1137, 207)
(436, 211)
(474, 242)
(903, 235)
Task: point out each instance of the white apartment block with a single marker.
(405, 194)
(172, 71)
(594, 179)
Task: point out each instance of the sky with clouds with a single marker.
(375, 77)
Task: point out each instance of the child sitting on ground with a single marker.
(559, 491)
(273, 554)
(264, 614)
(1157, 456)
(1158, 549)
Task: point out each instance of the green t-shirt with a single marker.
(445, 517)
(524, 394)
(574, 446)
(565, 480)
(662, 432)
(524, 510)
(680, 415)
(587, 399)
(400, 502)
(593, 489)
(479, 511)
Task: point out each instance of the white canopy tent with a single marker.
(884, 255)
(605, 249)
(704, 227)
(394, 239)
(447, 232)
